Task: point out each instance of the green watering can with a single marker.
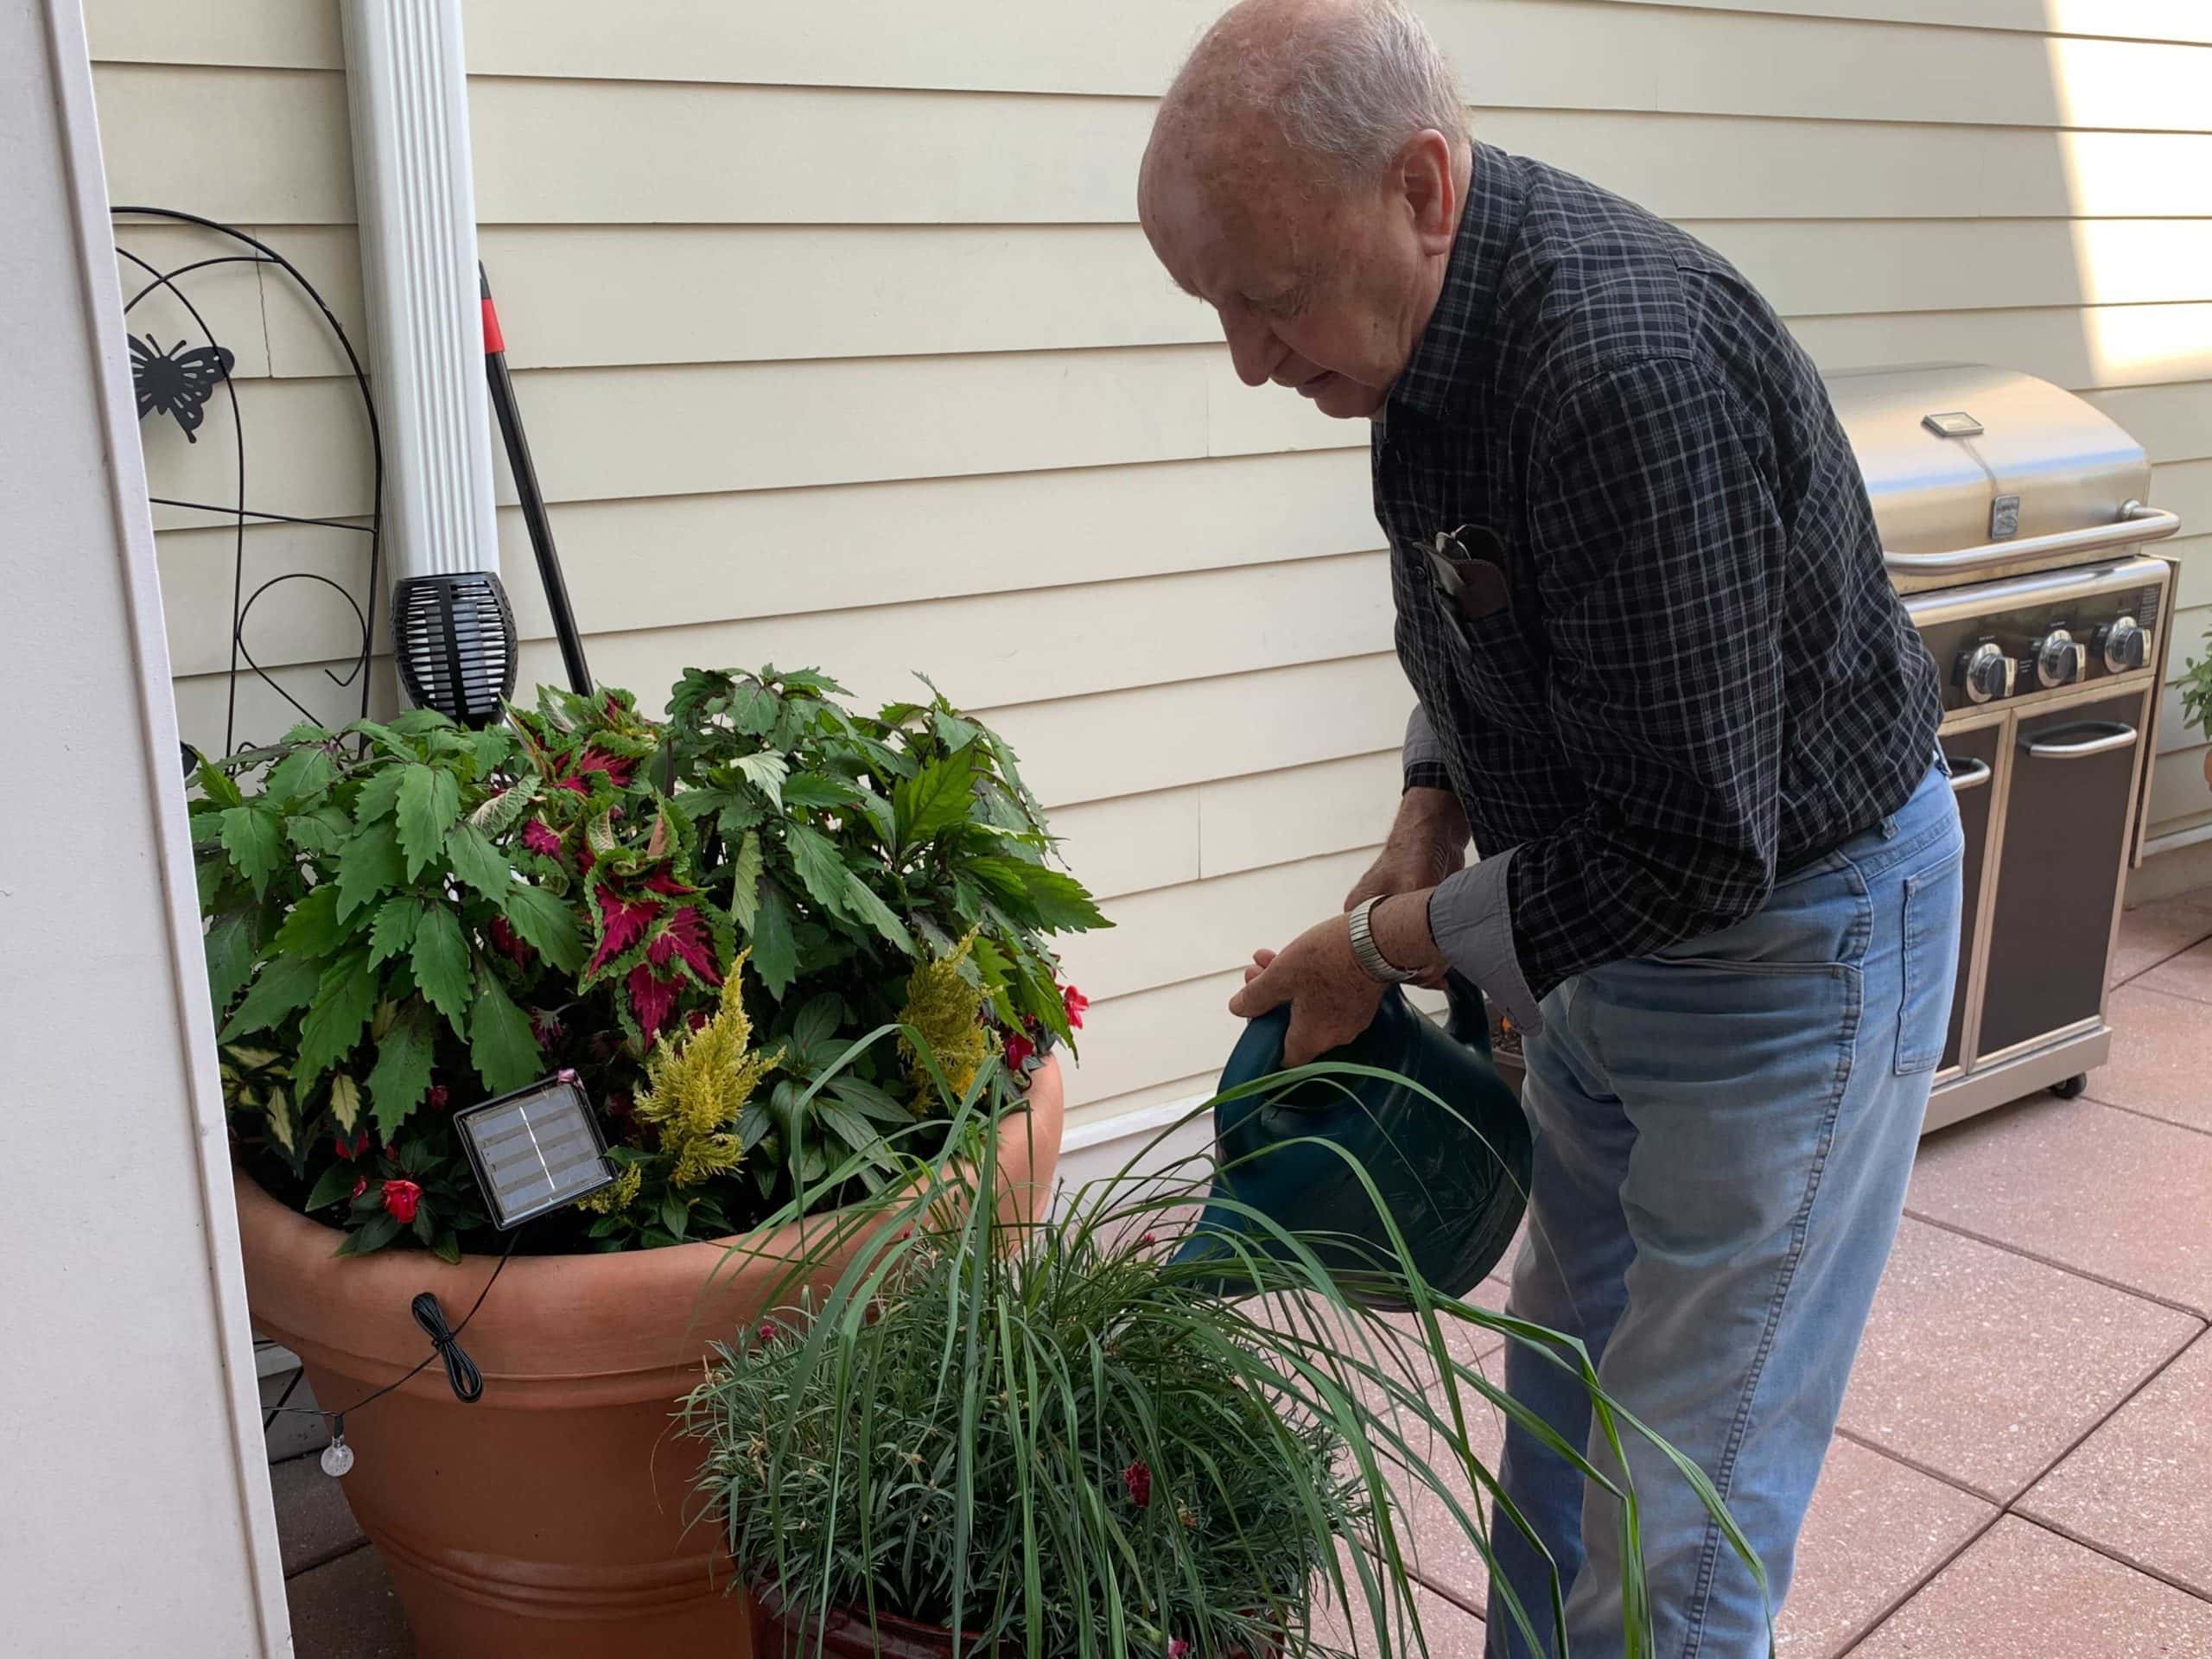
(1455, 1182)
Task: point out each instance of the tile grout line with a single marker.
(2144, 1112)
(1858, 1638)
(2152, 968)
(2010, 1508)
(2136, 1291)
(2059, 1529)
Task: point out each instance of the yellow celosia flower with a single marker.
(612, 1200)
(948, 1013)
(696, 1086)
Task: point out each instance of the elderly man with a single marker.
(1665, 689)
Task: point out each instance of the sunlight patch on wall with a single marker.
(2109, 84)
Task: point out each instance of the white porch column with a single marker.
(135, 1512)
(407, 89)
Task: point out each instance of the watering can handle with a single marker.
(1467, 1017)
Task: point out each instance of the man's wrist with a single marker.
(1399, 926)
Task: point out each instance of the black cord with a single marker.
(468, 1382)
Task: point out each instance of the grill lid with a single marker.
(1960, 456)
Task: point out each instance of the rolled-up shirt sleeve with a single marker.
(1423, 755)
(1658, 554)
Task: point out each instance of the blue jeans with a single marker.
(1723, 1136)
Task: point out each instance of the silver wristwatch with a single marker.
(1371, 959)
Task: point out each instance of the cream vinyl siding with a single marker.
(838, 343)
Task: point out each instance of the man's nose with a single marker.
(1253, 348)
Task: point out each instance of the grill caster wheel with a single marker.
(2072, 1088)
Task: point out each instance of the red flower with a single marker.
(653, 998)
(361, 1144)
(1137, 1479)
(623, 923)
(360, 1185)
(768, 1333)
(1178, 1648)
(1018, 1051)
(539, 839)
(1076, 1003)
(435, 1100)
(509, 942)
(400, 1198)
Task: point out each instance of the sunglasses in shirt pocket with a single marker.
(1503, 673)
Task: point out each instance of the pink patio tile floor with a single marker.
(2026, 1449)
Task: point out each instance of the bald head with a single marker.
(1304, 178)
(1322, 92)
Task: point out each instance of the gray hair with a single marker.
(1348, 85)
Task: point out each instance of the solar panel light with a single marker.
(536, 1150)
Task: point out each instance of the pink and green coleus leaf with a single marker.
(622, 922)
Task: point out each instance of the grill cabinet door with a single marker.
(1973, 757)
(2064, 833)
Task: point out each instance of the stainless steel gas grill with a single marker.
(2013, 520)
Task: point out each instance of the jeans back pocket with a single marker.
(1928, 962)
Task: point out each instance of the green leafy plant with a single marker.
(1059, 1440)
(854, 853)
(405, 918)
(2197, 688)
(372, 954)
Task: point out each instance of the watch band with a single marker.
(1371, 960)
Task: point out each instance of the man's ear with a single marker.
(1424, 177)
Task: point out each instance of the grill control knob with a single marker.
(1985, 672)
(2060, 659)
(2124, 644)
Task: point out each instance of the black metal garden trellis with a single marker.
(180, 380)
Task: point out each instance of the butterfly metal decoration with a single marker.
(176, 381)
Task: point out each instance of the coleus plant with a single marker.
(374, 958)
(407, 917)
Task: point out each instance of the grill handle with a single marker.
(2136, 523)
(2096, 737)
(1970, 774)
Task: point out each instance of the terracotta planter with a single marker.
(551, 1519)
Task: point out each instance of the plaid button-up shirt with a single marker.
(1694, 673)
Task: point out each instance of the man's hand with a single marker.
(1427, 842)
(1331, 999)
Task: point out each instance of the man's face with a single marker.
(1325, 294)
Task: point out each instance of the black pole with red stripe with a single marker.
(533, 503)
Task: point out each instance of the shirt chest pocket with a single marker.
(1494, 663)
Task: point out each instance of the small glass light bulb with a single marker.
(337, 1458)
